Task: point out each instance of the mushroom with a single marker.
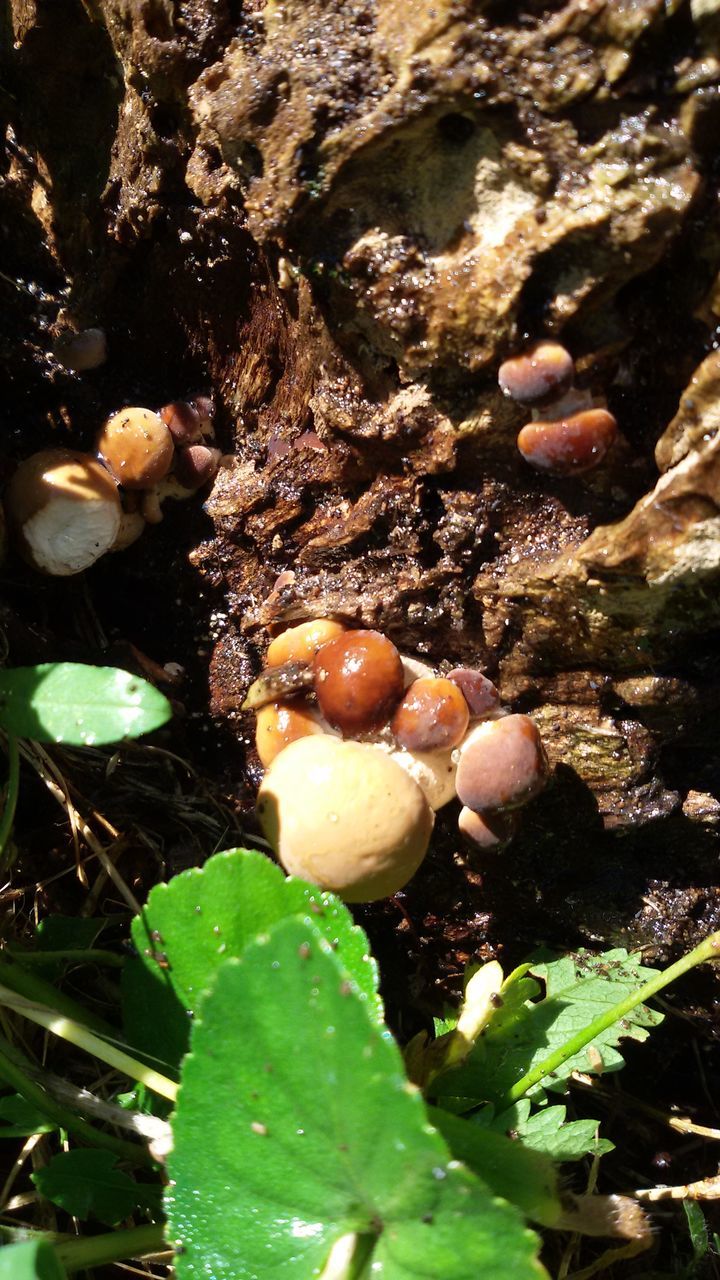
(432, 715)
(136, 447)
(501, 765)
(182, 421)
(358, 681)
(197, 465)
(345, 817)
(480, 693)
(81, 351)
(301, 643)
(280, 723)
(64, 511)
(489, 832)
(434, 772)
(542, 372)
(569, 445)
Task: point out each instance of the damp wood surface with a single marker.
(342, 216)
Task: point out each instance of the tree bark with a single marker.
(343, 214)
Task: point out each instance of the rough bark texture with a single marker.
(343, 214)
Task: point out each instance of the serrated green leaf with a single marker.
(511, 1170)
(296, 1125)
(85, 1182)
(207, 915)
(33, 1260)
(523, 1032)
(547, 1131)
(19, 1118)
(78, 705)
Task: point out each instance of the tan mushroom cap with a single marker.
(63, 510)
(280, 723)
(136, 447)
(301, 643)
(344, 816)
(501, 765)
(489, 832)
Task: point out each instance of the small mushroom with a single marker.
(480, 693)
(569, 445)
(490, 831)
(501, 765)
(301, 643)
(358, 681)
(345, 817)
(63, 510)
(81, 351)
(278, 724)
(197, 465)
(136, 447)
(182, 421)
(434, 772)
(432, 716)
(540, 373)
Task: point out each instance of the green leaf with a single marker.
(20, 1118)
(207, 915)
(84, 1182)
(524, 1031)
(34, 1260)
(524, 1177)
(296, 1125)
(697, 1228)
(79, 705)
(547, 1131)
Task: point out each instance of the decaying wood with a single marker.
(343, 214)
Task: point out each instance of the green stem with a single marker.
(25, 984)
(707, 950)
(75, 1033)
(87, 956)
(11, 798)
(116, 1246)
(13, 1075)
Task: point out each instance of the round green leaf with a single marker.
(208, 914)
(296, 1125)
(79, 705)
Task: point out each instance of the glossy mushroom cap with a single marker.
(358, 681)
(277, 725)
(301, 643)
(182, 421)
(569, 445)
(432, 716)
(501, 765)
(63, 510)
(542, 372)
(136, 447)
(344, 816)
(480, 693)
(197, 465)
(81, 351)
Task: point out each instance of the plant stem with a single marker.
(13, 788)
(709, 949)
(14, 1075)
(74, 1032)
(87, 956)
(32, 987)
(116, 1246)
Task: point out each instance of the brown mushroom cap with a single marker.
(358, 680)
(501, 765)
(182, 421)
(569, 445)
(81, 351)
(278, 724)
(432, 715)
(301, 643)
(480, 693)
(63, 510)
(541, 372)
(197, 465)
(136, 447)
(344, 816)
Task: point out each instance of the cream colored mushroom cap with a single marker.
(344, 816)
(64, 511)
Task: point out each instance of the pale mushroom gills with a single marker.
(345, 817)
(63, 510)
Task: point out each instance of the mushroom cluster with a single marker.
(66, 509)
(361, 746)
(570, 432)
